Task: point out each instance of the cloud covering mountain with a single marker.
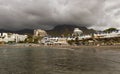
(45, 14)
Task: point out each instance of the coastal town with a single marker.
(59, 36)
(77, 38)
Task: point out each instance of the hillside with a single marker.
(67, 30)
(59, 30)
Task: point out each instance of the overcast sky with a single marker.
(45, 14)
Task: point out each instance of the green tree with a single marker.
(110, 30)
(37, 39)
(29, 39)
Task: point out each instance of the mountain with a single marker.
(58, 30)
(23, 31)
(67, 30)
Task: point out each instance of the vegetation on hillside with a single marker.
(110, 30)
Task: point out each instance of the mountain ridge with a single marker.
(67, 30)
(56, 31)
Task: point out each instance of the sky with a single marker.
(45, 14)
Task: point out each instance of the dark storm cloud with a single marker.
(18, 14)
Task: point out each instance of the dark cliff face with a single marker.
(67, 30)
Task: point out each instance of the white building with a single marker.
(77, 32)
(6, 37)
(40, 33)
(54, 41)
(107, 35)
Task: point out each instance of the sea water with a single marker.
(59, 61)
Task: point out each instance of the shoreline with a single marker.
(111, 47)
